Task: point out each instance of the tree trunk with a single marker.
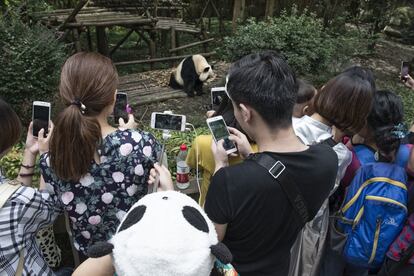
(238, 12)
(270, 8)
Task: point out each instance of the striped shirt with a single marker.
(24, 213)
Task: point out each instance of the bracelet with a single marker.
(27, 166)
(26, 174)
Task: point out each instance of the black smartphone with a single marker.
(40, 117)
(120, 108)
(405, 70)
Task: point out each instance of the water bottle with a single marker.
(183, 170)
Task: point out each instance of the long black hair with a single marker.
(386, 123)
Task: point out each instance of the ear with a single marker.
(305, 110)
(100, 249)
(222, 253)
(245, 112)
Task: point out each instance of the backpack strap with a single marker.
(7, 189)
(278, 171)
(330, 142)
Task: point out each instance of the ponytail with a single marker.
(386, 122)
(73, 144)
(87, 87)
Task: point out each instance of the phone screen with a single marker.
(40, 119)
(405, 70)
(217, 97)
(219, 130)
(120, 107)
(168, 121)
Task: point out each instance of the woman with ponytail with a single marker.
(97, 171)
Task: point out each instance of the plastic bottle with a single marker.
(183, 170)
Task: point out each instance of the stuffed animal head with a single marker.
(164, 233)
(203, 69)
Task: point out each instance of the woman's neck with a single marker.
(106, 128)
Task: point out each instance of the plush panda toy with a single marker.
(164, 233)
(190, 74)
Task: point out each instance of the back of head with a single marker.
(265, 82)
(10, 127)
(363, 73)
(386, 122)
(88, 83)
(345, 101)
(306, 91)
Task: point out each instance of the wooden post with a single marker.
(76, 39)
(152, 46)
(270, 8)
(89, 38)
(101, 41)
(173, 44)
(238, 12)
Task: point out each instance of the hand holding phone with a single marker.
(405, 70)
(219, 130)
(40, 117)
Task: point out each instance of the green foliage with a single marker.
(30, 59)
(300, 37)
(10, 163)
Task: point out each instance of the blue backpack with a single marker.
(374, 210)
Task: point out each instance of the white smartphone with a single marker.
(218, 128)
(40, 117)
(120, 108)
(167, 121)
(217, 96)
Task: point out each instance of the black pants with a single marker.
(389, 265)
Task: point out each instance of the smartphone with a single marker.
(120, 109)
(167, 121)
(217, 96)
(218, 128)
(160, 159)
(405, 70)
(40, 117)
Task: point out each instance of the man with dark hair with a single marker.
(257, 211)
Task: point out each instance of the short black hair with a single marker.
(265, 82)
(306, 91)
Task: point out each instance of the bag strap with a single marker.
(330, 142)
(7, 189)
(278, 171)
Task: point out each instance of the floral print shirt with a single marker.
(98, 201)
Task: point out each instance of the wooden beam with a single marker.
(73, 14)
(270, 8)
(143, 61)
(121, 42)
(101, 41)
(141, 21)
(238, 10)
(76, 40)
(190, 45)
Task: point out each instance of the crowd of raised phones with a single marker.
(321, 183)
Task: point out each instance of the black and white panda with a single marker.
(164, 233)
(190, 75)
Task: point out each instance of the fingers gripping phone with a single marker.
(218, 128)
(405, 70)
(40, 117)
(120, 109)
(167, 121)
(217, 96)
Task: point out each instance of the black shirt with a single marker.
(261, 223)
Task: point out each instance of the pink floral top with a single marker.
(100, 199)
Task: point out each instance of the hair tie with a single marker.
(80, 105)
(399, 131)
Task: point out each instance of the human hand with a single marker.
(31, 141)
(165, 182)
(409, 82)
(131, 124)
(44, 142)
(220, 155)
(210, 113)
(243, 145)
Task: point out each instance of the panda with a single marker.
(190, 74)
(164, 233)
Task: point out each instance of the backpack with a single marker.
(373, 212)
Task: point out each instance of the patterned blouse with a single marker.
(98, 201)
